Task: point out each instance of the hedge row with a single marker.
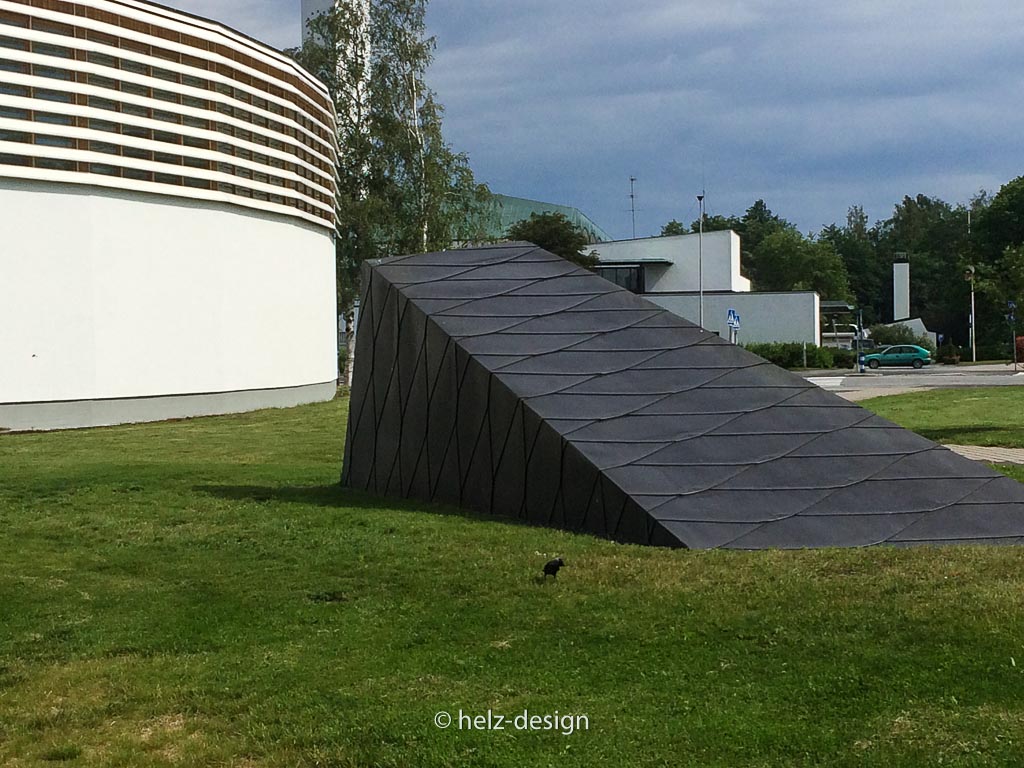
(791, 355)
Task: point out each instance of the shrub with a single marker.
(791, 355)
(887, 335)
(949, 354)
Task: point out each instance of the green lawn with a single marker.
(201, 593)
(982, 416)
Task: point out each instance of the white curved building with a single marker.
(167, 193)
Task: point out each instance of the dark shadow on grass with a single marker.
(336, 496)
(956, 434)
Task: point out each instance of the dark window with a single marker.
(197, 183)
(14, 66)
(138, 175)
(165, 74)
(138, 154)
(135, 66)
(103, 59)
(10, 42)
(166, 178)
(167, 117)
(101, 37)
(103, 125)
(102, 146)
(15, 160)
(45, 49)
(103, 82)
(13, 19)
(192, 141)
(14, 113)
(134, 109)
(137, 131)
(56, 165)
(13, 90)
(195, 82)
(53, 73)
(54, 141)
(128, 44)
(19, 136)
(135, 88)
(629, 277)
(105, 170)
(165, 95)
(53, 118)
(98, 103)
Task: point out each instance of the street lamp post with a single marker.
(969, 277)
(700, 259)
(1011, 318)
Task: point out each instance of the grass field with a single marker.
(984, 416)
(202, 593)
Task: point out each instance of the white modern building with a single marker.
(670, 271)
(167, 193)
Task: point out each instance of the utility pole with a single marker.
(632, 203)
(969, 277)
(700, 257)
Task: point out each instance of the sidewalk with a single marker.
(990, 455)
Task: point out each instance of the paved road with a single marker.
(857, 386)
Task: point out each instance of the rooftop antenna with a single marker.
(632, 203)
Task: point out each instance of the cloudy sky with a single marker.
(812, 106)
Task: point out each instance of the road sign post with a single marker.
(732, 319)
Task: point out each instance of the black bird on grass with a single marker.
(551, 567)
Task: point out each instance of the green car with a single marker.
(901, 354)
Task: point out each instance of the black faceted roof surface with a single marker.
(719, 446)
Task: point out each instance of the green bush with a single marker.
(791, 355)
(950, 354)
(887, 335)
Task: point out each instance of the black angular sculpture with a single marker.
(509, 381)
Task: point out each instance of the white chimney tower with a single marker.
(901, 289)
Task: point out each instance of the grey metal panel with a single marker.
(513, 383)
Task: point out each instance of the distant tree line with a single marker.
(853, 261)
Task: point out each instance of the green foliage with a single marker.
(949, 353)
(402, 188)
(1001, 223)
(787, 261)
(791, 355)
(554, 233)
(674, 228)
(718, 223)
(887, 335)
(855, 246)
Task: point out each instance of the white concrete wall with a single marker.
(900, 291)
(721, 260)
(791, 316)
(121, 294)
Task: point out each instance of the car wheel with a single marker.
(917, 364)
(872, 364)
